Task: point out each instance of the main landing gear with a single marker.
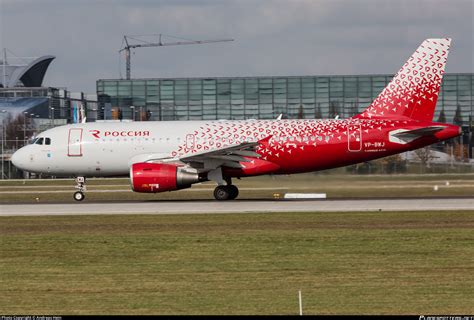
(225, 190)
(228, 192)
(81, 186)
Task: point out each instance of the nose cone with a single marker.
(19, 159)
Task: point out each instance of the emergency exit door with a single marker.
(190, 141)
(74, 147)
(354, 137)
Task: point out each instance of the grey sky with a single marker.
(272, 37)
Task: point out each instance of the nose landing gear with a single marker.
(81, 186)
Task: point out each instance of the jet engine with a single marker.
(159, 177)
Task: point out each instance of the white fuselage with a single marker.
(111, 151)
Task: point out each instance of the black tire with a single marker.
(234, 191)
(78, 196)
(222, 193)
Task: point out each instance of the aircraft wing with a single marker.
(229, 156)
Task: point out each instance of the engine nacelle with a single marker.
(159, 177)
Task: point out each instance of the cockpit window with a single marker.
(46, 141)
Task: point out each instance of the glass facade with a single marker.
(263, 97)
(47, 103)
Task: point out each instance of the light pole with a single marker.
(96, 114)
(52, 116)
(24, 127)
(3, 152)
(32, 118)
(133, 112)
(3, 141)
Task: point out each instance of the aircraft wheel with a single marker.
(79, 196)
(222, 193)
(234, 191)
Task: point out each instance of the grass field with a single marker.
(344, 263)
(264, 187)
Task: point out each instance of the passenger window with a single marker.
(47, 141)
(39, 141)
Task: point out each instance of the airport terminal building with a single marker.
(306, 97)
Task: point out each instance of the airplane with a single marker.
(164, 156)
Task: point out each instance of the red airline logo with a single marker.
(131, 133)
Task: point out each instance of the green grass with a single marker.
(344, 263)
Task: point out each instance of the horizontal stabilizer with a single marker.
(410, 135)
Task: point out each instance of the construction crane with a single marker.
(128, 45)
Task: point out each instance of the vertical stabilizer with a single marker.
(413, 91)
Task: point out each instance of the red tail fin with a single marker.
(413, 91)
